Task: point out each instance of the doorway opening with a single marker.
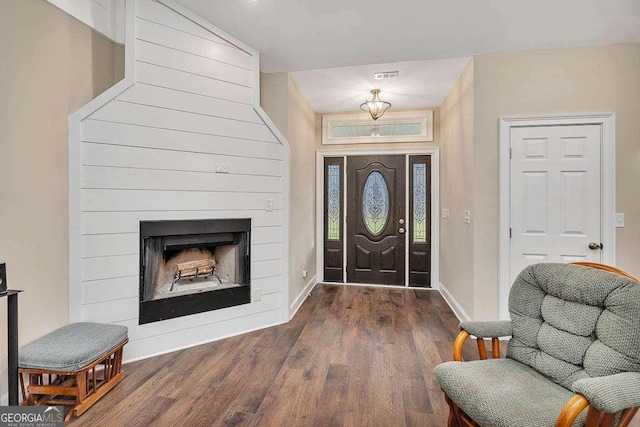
(378, 218)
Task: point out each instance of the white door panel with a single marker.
(555, 193)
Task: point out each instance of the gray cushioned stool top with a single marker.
(504, 393)
(71, 347)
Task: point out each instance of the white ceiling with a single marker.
(419, 84)
(295, 35)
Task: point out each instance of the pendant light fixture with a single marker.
(375, 106)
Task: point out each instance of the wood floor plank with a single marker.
(352, 356)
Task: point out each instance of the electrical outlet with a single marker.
(467, 217)
(619, 220)
(222, 168)
(445, 213)
(304, 271)
(269, 206)
(256, 294)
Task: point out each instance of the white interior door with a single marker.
(555, 195)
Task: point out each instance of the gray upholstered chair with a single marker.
(575, 344)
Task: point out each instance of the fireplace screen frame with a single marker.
(183, 305)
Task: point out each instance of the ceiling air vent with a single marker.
(386, 75)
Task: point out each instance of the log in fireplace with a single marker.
(193, 266)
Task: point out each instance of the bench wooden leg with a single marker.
(84, 386)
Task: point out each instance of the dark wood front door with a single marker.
(376, 219)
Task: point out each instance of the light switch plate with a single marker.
(619, 220)
(256, 294)
(269, 206)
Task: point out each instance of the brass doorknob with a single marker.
(401, 230)
(594, 246)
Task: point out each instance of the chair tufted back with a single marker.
(572, 322)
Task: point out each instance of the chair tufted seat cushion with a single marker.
(504, 393)
(71, 347)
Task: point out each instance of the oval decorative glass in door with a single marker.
(375, 203)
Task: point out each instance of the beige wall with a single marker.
(50, 65)
(457, 190)
(285, 104)
(584, 80)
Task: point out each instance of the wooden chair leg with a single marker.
(495, 342)
(22, 389)
(81, 385)
(627, 416)
(454, 420)
(482, 350)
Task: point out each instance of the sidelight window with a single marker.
(334, 218)
(419, 203)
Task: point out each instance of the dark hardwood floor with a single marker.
(352, 356)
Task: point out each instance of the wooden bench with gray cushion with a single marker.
(73, 366)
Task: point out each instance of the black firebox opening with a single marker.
(193, 266)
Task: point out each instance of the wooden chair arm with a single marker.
(595, 418)
(457, 345)
(482, 351)
(571, 410)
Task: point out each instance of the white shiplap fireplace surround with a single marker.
(148, 149)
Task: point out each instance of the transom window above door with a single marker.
(404, 126)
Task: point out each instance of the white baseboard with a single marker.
(455, 306)
(295, 305)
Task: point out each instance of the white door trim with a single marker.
(434, 152)
(608, 181)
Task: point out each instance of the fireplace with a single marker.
(193, 266)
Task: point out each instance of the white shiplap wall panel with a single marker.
(177, 60)
(151, 154)
(144, 115)
(108, 177)
(143, 136)
(267, 234)
(111, 311)
(160, 14)
(97, 291)
(183, 101)
(265, 252)
(179, 80)
(262, 269)
(185, 42)
(100, 245)
(96, 223)
(268, 285)
(146, 200)
(109, 267)
(144, 158)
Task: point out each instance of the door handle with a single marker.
(594, 246)
(401, 221)
(401, 230)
